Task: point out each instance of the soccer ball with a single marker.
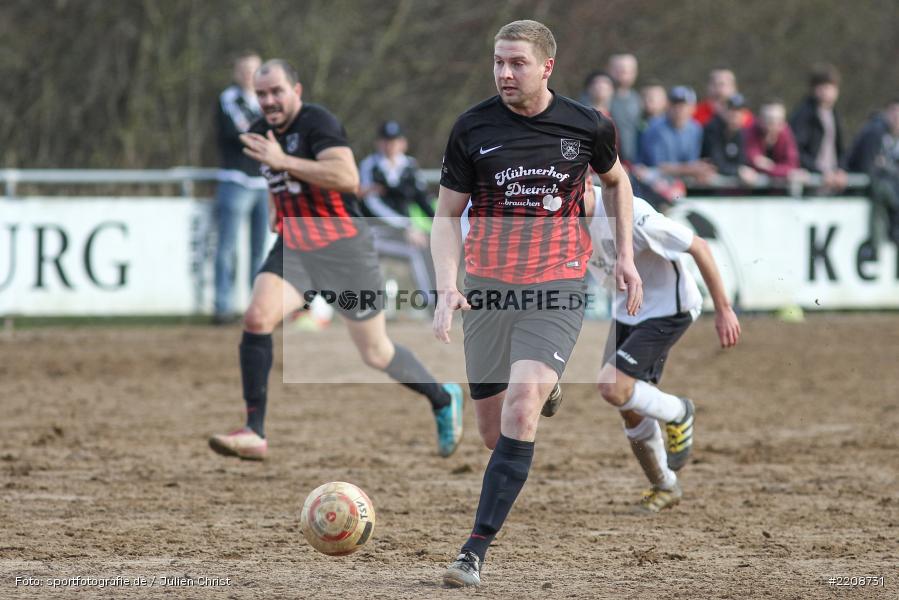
(337, 519)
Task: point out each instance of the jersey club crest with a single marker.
(570, 148)
(292, 142)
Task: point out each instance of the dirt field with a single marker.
(105, 472)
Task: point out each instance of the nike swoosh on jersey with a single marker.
(557, 357)
(488, 150)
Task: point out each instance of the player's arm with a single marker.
(273, 224)
(618, 198)
(589, 199)
(726, 322)
(446, 248)
(334, 168)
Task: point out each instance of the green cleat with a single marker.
(449, 421)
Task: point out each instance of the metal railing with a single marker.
(186, 177)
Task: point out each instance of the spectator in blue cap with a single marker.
(673, 144)
(391, 184)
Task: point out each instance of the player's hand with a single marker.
(265, 149)
(628, 278)
(728, 327)
(448, 302)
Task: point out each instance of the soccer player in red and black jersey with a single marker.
(522, 157)
(323, 244)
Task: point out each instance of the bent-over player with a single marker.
(638, 346)
(311, 173)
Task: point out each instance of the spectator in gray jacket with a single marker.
(626, 105)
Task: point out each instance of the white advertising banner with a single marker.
(153, 256)
(810, 252)
(105, 256)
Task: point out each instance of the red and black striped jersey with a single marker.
(526, 179)
(316, 217)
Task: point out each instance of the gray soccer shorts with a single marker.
(345, 273)
(508, 323)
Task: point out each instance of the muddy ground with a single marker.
(105, 473)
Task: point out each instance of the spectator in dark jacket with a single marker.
(242, 193)
(817, 128)
(770, 146)
(876, 152)
(723, 142)
(876, 141)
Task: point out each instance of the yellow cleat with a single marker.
(656, 500)
(680, 438)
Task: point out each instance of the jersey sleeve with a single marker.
(659, 234)
(458, 172)
(327, 132)
(605, 151)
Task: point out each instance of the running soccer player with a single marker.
(311, 173)
(638, 346)
(522, 157)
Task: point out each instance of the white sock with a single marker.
(649, 448)
(650, 401)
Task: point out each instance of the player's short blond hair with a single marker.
(534, 32)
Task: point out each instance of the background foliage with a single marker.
(133, 83)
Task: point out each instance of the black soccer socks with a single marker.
(255, 364)
(405, 369)
(503, 479)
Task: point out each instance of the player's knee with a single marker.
(489, 435)
(376, 356)
(613, 393)
(259, 320)
(519, 415)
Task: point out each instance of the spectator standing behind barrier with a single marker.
(673, 144)
(626, 105)
(876, 152)
(723, 142)
(722, 85)
(390, 184)
(654, 98)
(878, 141)
(599, 89)
(817, 127)
(242, 192)
(770, 146)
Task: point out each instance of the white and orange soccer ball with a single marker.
(338, 518)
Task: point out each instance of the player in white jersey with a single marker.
(635, 356)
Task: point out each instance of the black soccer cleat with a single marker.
(552, 404)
